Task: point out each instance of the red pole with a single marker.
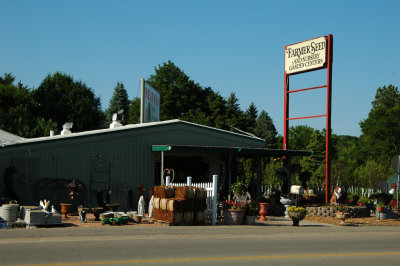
(286, 113)
(328, 119)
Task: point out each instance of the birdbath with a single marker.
(286, 202)
(96, 212)
(113, 206)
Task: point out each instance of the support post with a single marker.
(229, 176)
(259, 175)
(214, 200)
(162, 168)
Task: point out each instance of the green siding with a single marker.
(70, 157)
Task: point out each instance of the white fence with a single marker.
(211, 212)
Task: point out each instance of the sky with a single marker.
(230, 46)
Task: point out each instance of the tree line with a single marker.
(356, 161)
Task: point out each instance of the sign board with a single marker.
(149, 103)
(396, 164)
(306, 56)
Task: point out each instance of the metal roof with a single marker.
(118, 129)
(8, 137)
(246, 151)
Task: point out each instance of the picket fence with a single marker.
(211, 211)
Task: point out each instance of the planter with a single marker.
(286, 203)
(65, 209)
(263, 210)
(342, 217)
(234, 217)
(249, 220)
(297, 217)
(380, 209)
(361, 204)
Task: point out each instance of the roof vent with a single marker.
(67, 128)
(116, 119)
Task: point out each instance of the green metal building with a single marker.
(118, 159)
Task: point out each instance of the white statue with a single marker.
(141, 206)
(151, 207)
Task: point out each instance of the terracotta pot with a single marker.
(361, 204)
(263, 210)
(380, 209)
(65, 209)
(234, 217)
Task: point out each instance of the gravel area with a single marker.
(365, 221)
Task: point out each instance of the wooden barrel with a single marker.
(163, 204)
(188, 217)
(177, 217)
(190, 193)
(156, 203)
(201, 194)
(200, 217)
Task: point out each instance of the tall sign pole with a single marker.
(304, 57)
(328, 119)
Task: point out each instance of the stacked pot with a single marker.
(9, 212)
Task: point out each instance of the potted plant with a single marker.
(234, 212)
(341, 213)
(239, 190)
(252, 211)
(381, 206)
(296, 214)
(362, 201)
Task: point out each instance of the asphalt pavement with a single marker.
(274, 242)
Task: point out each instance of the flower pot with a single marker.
(380, 209)
(361, 204)
(297, 217)
(65, 209)
(263, 210)
(249, 219)
(234, 216)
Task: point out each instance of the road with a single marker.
(314, 244)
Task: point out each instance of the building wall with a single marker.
(40, 164)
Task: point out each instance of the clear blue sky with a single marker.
(231, 46)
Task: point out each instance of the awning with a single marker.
(245, 151)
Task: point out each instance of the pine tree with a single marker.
(265, 129)
(119, 102)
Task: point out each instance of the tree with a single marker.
(381, 130)
(300, 137)
(17, 110)
(62, 99)
(119, 101)
(178, 94)
(134, 111)
(315, 164)
(266, 130)
(235, 116)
